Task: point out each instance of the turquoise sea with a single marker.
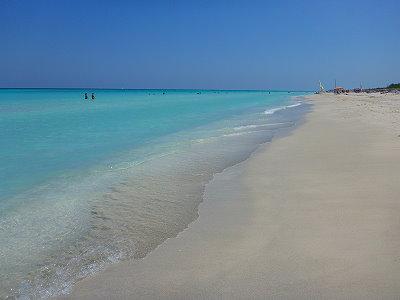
(84, 184)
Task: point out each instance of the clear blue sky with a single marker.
(198, 44)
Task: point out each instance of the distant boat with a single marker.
(321, 88)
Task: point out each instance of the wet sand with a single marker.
(315, 214)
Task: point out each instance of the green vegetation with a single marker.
(394, 86)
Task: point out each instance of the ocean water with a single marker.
(84, 184)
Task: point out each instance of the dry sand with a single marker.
(315, 214)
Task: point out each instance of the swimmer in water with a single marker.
(86, 96)
(93, 96)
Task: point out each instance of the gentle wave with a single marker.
(252, 126)
(274, 110)
(243, 133)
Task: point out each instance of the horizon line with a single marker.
(159, 89)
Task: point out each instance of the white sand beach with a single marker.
(315, 214)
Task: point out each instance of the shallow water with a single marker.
(87, 183)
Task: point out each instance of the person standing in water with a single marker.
(93, 96)
(86, 97)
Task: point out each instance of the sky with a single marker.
(284, 45)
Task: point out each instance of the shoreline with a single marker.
(124, 206)
(256, 237)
